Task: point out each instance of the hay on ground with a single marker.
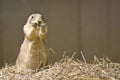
(68, 69)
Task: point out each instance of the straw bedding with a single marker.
(68, 68)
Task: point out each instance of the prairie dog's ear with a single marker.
(31, 16)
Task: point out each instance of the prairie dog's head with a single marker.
(35, 26)
(36, 20)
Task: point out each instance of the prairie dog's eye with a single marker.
(32, 17)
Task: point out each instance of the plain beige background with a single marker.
(92, 26)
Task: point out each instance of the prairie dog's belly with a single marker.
(32, 54)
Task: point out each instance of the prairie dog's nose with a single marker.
(39, 23)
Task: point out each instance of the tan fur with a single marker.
(33, 53)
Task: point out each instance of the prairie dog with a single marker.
(33, 53)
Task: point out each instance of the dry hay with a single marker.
(68, 69)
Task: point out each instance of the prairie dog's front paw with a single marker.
(43, 24)
(34, 25)
(43, 28)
